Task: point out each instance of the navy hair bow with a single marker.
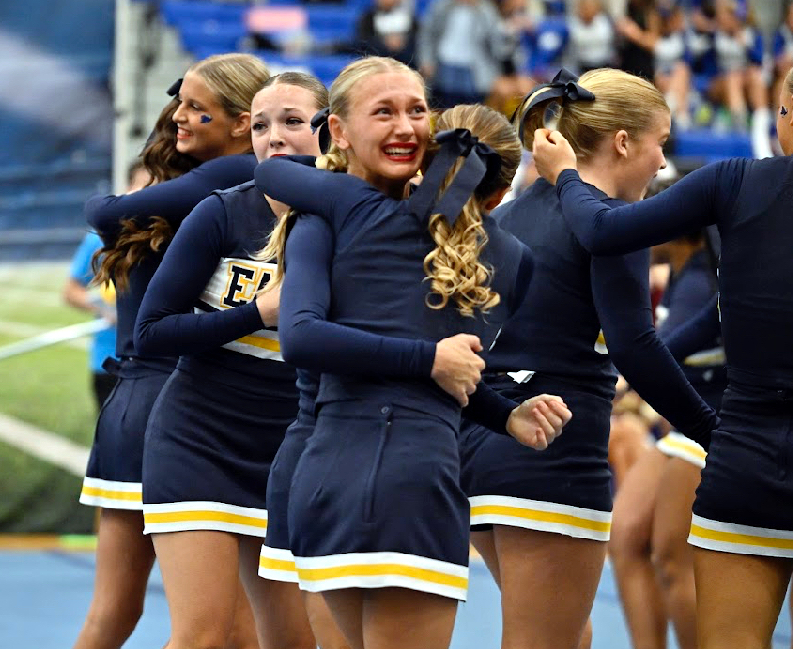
(563, 86)
(320, 123)
(481, 163)
(176, 86)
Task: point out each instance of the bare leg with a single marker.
(281, 620)
(346, 606)
(629, 548)
(627, 443)
(679, 84)
(200, 573)
(243, 631)
(586, 636)
(739, 598)
(672, 555)
(396, 618)
(327, 632)
(124, 558)
(548, 584)
(485, 544)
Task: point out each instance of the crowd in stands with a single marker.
(709, 57)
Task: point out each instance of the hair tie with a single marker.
(320, 123)
(563, 86)
(481, 163)
(176, 86)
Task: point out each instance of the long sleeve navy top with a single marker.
(305, 299)
(750, 203)
(689, 290)
(695, 334)
(172, 200)
(572, 297)
(200, 302)
(376, 279)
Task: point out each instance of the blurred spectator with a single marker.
(462, 45)
(738, 50)
(632, 423)
(672, 71)
(512, 84)
(591, 37)
(547, 45)
(389, 28)
(99, 302)
(640, 29)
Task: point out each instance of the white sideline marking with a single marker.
(25, 330)
(44, 445)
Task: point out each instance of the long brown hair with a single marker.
(163, 162)
(234, 79)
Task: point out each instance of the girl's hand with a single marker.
(552, 154)
(538, 421)
(457, 369)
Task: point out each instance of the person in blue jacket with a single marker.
(200, 143)
(741, 529)
(387, 545)
(101, 303)
(547, 516)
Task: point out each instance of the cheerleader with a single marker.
(547, 516)
(200, 144)
(387, 545)
(741, 529)
(652, 562)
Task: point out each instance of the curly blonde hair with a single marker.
(453, 268)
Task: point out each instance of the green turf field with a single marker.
(49, 388)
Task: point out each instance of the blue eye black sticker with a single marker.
(782, 111)
(205, 119)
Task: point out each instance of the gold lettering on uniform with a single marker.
(244, 279)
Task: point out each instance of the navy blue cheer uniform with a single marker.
(375, 500)
(220, 418)
(743, 502)
(113, 475)
(311, 240)
(689, 291)
(552, 346)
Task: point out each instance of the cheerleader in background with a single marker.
(199, 145)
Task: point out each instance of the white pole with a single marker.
(53, 337)
(123, 76)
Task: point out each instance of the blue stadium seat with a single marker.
(707, 144)
(221, 37)
(176, 11)
(333, 19)
(325, 68)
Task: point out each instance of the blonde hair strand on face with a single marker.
(276, 242)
